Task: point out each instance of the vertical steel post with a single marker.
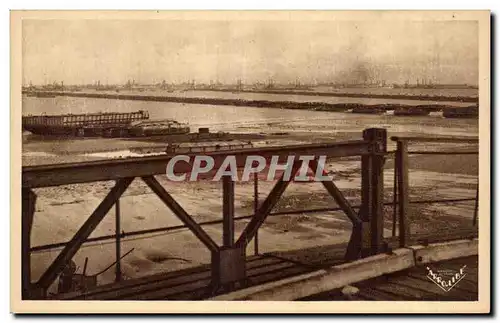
(228, 211)
(364, 211)
(255, 209)
(395, 199)
(118, 270)
(474, 219)
(403, 191)
(372, 194)
(226, 260)
(27, 213)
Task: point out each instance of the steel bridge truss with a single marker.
(228, 260)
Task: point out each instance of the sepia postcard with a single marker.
(250, 162)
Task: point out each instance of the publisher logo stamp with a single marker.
(446, 279)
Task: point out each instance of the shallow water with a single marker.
(251, 119)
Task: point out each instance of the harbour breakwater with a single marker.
(419, 97)
(314, 106)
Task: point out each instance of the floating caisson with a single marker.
(109, 124)
(461, 112)
(147, 128)
(411, 111)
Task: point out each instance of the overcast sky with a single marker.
(113, 51)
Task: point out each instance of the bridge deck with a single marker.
(414, 285)
(194, 283)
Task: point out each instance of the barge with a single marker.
(109, 124)
(148, 128)
(461, 112)
(41, 94)
(369, 110)
(411, 111)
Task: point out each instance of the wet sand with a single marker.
(60, 211)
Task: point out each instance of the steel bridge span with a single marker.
(231, 268)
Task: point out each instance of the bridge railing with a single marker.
(368, 222)
(447, 146)
(228, 260)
